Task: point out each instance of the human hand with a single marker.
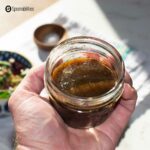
(38, 126)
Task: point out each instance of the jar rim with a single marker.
(103, 96)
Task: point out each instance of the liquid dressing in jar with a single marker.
(84, 77)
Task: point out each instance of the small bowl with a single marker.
(49, 35)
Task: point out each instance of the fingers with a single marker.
(30, 86)
(129, 93)
(128, 78)
(118, 120)
(33, 82)
(129, 97)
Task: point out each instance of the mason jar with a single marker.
(84, 78)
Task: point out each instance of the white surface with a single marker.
(85, 12)
(88, 13)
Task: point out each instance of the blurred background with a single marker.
(12, 20)
(126, 23)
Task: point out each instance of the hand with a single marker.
(39, 127)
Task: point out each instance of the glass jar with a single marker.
(84, 111)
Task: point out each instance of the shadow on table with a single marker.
(43, 54)
(130, 20)
(7, 133)
(142, 107)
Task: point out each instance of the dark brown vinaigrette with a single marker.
(84, 77)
